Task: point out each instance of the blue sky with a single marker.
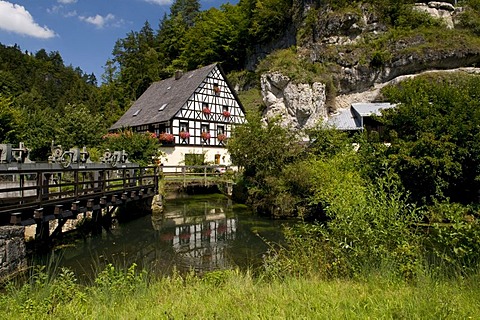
(83, 31)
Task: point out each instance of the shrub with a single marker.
(140, 147)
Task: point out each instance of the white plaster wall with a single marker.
(175, 156)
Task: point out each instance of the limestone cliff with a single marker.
(362, 55)
(299, 105)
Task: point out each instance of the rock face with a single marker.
(352, 47)
(358, 69)
(294, 102)
(298, 105)
(12, 250)
(440, 10)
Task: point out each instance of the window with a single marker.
(205, 128)
(220, 130)
(141, 129)
(225, 108)
(183, 126)
(162, 107)
(205, 109)
(137, 112)
(216, 89)
(164, 128)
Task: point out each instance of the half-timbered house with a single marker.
(192, 113)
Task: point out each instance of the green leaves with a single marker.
(437, 125)
(141, 148)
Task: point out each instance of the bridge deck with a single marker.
(27, 188)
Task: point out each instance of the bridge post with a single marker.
(184, 171)
(42, 231)
(205, 176)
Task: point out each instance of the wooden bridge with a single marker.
(202, 175)
(38, 193)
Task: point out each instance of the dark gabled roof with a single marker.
(171, 94)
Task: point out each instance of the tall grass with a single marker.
(233, 294)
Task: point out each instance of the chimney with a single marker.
(178, 74)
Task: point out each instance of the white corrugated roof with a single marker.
(372, 108)
(349, 119)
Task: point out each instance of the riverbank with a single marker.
(237, 295)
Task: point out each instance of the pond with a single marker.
(204, 233)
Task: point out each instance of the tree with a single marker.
(141, 148)
(436, 136)
(214, 38)
(11, 124)
(263, 151)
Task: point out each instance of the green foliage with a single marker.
(194, 159)
(77, 127)
(454, 237)
(269, 19)
(262, 151)
(231, 294)
(43, 101)
(470, 17)
(252, 100)
(327, 142)
(367, 227)
(141, 148)
(114, 280)
(43, 293)
(436, 131)
(11, 125)
(290, 64)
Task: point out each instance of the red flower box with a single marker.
(166, 137)
(152, 135)
(206, 111)
(184, 236)
(222, 137)
(167, 236)
(184, 135)
(226, 114)
(206, 135)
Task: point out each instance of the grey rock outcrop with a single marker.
(440, 10)
(299, 106)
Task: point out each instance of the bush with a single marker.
(140, 147)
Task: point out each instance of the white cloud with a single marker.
(66, 1)
(160, 2)
(55, 9)
(98, 20)
(70, 14)
(15, 18)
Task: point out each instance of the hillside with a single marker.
(355, 49)
(328, 53)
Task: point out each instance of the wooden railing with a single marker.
(205, 174)
(27, 187)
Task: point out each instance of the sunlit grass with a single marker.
(239, 295)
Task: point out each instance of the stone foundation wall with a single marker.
(12, 250)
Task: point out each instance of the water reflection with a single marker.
(202, 233)
(199, 239)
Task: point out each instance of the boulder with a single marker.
(299, 105)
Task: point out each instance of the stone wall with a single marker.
(12, 250)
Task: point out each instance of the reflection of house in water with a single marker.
(199, 238)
